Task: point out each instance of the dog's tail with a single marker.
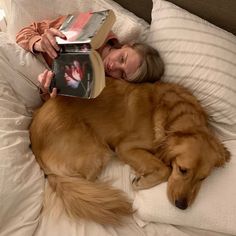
(98, 202)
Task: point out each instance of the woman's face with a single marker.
(121, 63)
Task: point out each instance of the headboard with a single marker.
(141, 8)
(220, 12)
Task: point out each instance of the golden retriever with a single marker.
(159, 129)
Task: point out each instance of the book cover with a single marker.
(73, 74)
(78, 69)
(87, 27)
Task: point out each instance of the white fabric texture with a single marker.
(128, 27)
(23, 12)
(201, 57)
(21, 180)
(21, 70)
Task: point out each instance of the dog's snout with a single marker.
(181, 203)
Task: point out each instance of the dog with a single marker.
(159, 129)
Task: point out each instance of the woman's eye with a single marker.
(183, 170)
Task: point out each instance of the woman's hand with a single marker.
(44, 80)
(48, 43)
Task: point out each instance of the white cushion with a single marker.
(21, 180)
(128, 26)
(23, 12)
(201, 57)
(20, 69)
(214, 208)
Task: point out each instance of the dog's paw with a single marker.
(146, 181)
(150, 179)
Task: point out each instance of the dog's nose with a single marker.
(181, 203)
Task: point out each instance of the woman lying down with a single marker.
(134, 62)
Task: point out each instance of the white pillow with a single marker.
(128, 27)
(23, 12)
(201, 57)
(21, 180)
(214, 208)
(20, 69)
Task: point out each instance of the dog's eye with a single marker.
(183, 170)
(202, 178)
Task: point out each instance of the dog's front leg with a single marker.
(150, 171)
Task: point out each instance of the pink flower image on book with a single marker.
(73, 74)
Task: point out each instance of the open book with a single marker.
(79, 69)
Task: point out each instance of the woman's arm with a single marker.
(40, 36)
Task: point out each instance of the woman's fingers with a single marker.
(48, 80)
(51, 38)
(42, 79)
(45, 79)
(48, 41)
(53, 94)
(58, 33)
(47, 47)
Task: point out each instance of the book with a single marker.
(79, 69)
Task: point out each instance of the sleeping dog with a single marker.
(159, 129)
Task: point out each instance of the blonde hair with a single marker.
(152, 66)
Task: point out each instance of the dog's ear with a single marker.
(167, 149)
(221, 152)
(222, 157)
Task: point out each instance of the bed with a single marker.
(198, 45)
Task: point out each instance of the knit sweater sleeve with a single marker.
(29, 35)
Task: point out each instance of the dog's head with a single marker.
(192, 157)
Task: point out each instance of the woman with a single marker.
(135, 62)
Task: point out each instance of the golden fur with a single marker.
(159, 129)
